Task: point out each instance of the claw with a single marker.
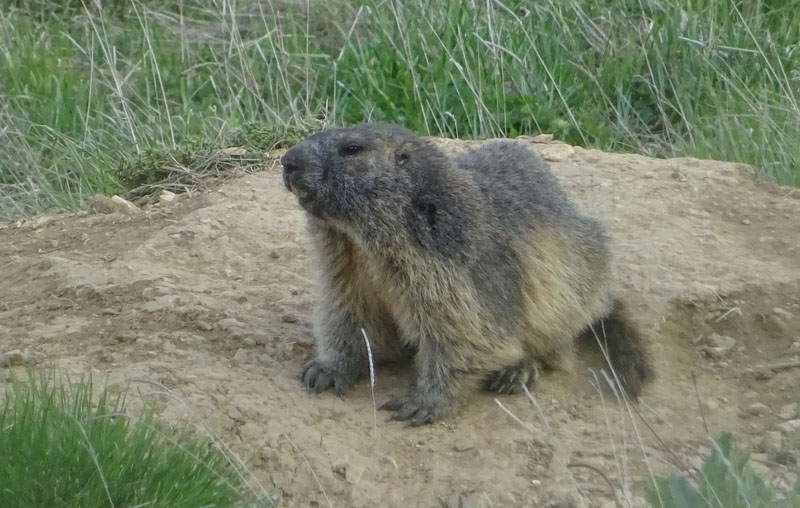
(414, 407)
(511, 380)
(318, 376)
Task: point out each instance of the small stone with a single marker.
(274, 254)
(13, 358)
(789, 427)
(772, 442)
(788, 411)
(542, 138)
(260, 339)
(289, 318)
(354, 474)
(746, 222)
(556, 152)
(340, 470)
(166, 197)
(234, 413)
(507, 499)
(463, 446)
(235, 151)
(757, 409)
(785, 458)
(718, 346)
(776, 322)
(229, 324)
(107, 357)
(785, 314)
(758, 463)
(124, 206)
(241, 355)
(125, 338)
(101, 204)
(233, 326)
(467, 500)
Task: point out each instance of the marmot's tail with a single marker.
(626, 349)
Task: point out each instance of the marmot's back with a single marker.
(517, 182)
(525, 197)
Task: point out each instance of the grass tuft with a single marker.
(89, 90)
(65, 445)
(195, 162)
(725, 480)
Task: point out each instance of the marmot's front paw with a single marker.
(319, 376)
(420, 409)
(511, 379)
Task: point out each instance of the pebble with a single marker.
(746, 222)
(260, 338)
(776, 323)
(757, 409)
(233, 151)
(101, 204)
(241, 355)
(789, 427)
(289, 318)
(556, 152)
(13, 358)
(542, 138)
(718, 346)
(166, 197)
(785, 314)
(710, 405)
(233, 326)
(467, 500)
(772, 442)
(463, 446)
(114, 204)
(340, 470)
(229, 324)
(788, 411)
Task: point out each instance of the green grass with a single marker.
(86, 93)
(67, 446)
(725, 480)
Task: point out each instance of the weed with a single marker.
(66, 445)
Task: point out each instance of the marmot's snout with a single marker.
(293, 170)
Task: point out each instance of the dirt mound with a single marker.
(209, 296)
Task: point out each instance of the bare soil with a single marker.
(204, 303)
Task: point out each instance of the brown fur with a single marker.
(478, 266)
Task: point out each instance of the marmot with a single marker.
(479, 266)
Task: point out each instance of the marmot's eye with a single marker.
(352, 149)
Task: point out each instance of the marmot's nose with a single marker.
(291, 162)
(292, 165)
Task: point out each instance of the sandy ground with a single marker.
(208, 297)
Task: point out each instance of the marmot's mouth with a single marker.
(293, 183)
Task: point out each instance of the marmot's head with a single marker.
(355, 172)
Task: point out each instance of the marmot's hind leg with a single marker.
(510, 379)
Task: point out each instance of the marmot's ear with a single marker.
(401, 154)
